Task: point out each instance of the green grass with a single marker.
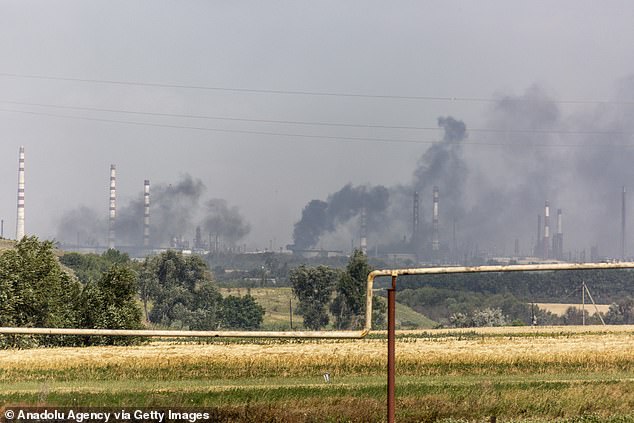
(553, 376)
(277, 310)
(354, 399)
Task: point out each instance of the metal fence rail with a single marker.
(391, 301)
(183, 333)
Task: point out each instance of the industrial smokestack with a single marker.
(113, 205)
(364, 232)
(435, 243)
(546, 251)
(19, 227)
(623, 225)
(146, 213)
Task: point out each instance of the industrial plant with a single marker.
(437, 240)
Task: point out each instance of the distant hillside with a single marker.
(276, 303)
(6, 244)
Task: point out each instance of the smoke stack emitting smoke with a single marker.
(176, 211)
(113, 206)
(146, 213)
(19, 227)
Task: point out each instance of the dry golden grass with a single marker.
(512, 373)
(560, 309)
(498, 350)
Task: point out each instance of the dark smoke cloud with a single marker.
(320, 217)
(389, 211)
(82, 226)
(175, 211)
(443, 165)
(224, 221)
(493, 190)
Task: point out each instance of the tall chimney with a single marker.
(546, 251)
(623, 225)
(364, 232)
(113, 205)
(559, 247)
(146, 213)
(435, 243)
(19, 227)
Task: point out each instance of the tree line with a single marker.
(38, 289)
(323, 291)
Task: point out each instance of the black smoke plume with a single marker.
(224, 222)
(320, 217)
(175, 210)
(389, 210)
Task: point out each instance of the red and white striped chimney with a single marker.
(435, 242)
(113, 205)
(546, 251)
(19, 226)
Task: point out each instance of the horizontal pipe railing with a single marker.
(479, 269)
(182, 333)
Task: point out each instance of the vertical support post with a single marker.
(290, 311)
(583, 303)
(391, 338)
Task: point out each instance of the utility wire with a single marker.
(306, 92)
(310, 136)
(314, 123)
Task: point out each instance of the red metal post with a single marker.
(391, 337)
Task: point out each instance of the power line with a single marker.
(315, 123)
(307, 92)
(309, 136)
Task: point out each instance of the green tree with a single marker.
(241, 313)
(111, 303)
(349, 305)
(90, 267)
(313, 287)
(621, 312)
(182, 291)
(36, 292)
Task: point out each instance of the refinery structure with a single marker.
(425, 245)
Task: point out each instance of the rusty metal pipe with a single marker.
(478, 269)
(182, 333)
(391, 354)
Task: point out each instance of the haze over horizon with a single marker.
(207, 91)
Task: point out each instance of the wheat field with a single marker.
(513, 373)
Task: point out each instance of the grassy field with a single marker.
(512, 374)
(6, 244)
(277, 317)
(560, 309)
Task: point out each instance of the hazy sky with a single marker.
(572, 50)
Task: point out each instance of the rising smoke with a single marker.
(493, 188)
(320, 217)
(224, 222)
(176, 209)
(388, 210)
